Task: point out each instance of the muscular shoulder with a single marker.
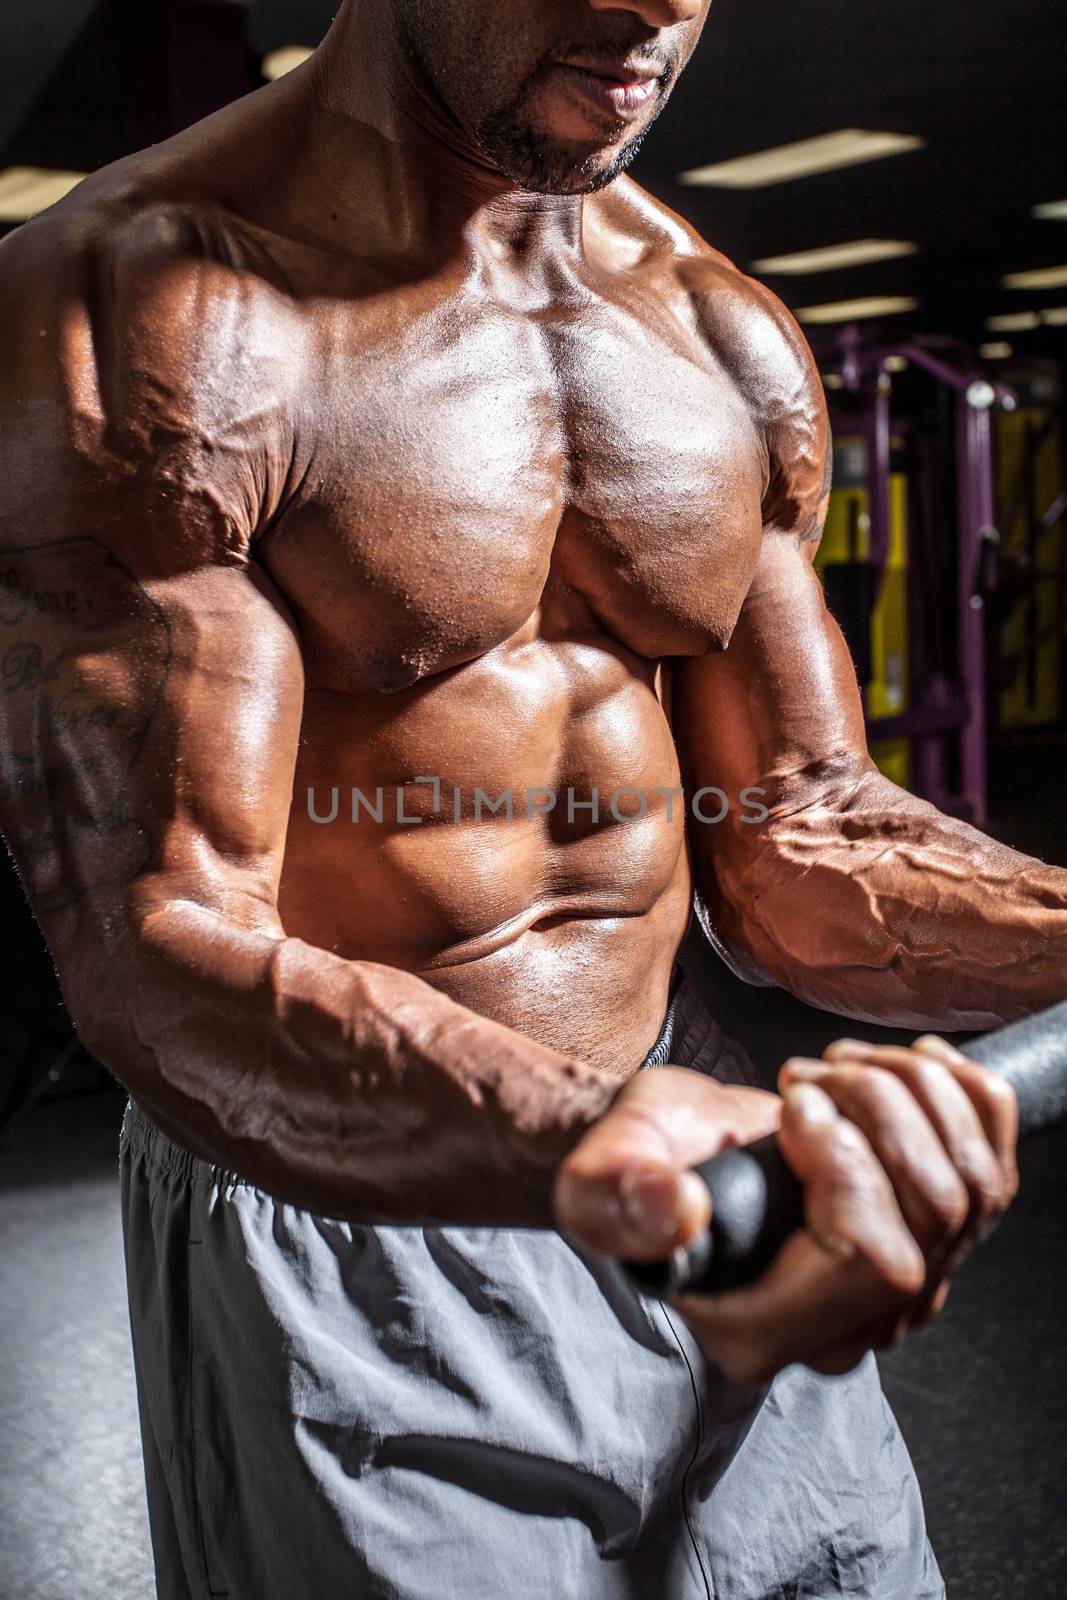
(145, 348)
(753, 339)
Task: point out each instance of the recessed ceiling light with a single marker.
(832, 256)
(845, 148)
(1043, 278)
(1052, 211)
(854, 310)
(26, 190)
(1013, 322)
(278, 62)
(995, 350)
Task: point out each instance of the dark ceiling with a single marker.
(981, 81)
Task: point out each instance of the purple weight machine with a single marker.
(946, 429)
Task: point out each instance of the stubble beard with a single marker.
(535, 162)
(510, 139)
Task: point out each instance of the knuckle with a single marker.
(927, 1074)
(999, 1093)
(901, 1276)
(878, 1089)
(848, 1144)
(949, 1207)
(984, 1178)
(927, 1079)
(933, 1042)
(998, 1086)
(910, 1280)
(994, 1198)
(853, 1179)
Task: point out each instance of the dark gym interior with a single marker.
(941, 342)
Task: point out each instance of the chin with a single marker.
(581, 179)
(548, 166)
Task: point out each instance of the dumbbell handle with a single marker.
(757, 1201)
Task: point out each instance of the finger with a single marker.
(849, 1201)
(958, 1121)
(643, 1212)
(932, 1196)
(626, 1189)
(804, 1307)
(992, 1096)
(636, 1137)
(815, 1296)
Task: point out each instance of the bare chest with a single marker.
(481, 474)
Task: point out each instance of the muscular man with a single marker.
(372, 452)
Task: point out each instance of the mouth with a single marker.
(622, 91)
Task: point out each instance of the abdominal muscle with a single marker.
(561, 925)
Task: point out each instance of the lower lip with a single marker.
(622, 100)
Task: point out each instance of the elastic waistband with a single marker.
(141, 1138)
(660, 1052)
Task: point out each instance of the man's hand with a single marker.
(907, 1157)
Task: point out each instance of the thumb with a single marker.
(643, 1210)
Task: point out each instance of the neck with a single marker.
(391, 162)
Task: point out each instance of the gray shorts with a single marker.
(343, 1412)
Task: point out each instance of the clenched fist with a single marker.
(907, 1158)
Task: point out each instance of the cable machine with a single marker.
(909, 557)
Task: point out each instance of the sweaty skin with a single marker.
(332, 459)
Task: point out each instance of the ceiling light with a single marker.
(1013, 322)
(853, 310)
(26, 190)
(896, 363)
(1052, 211)
(278, 62)
(845, 148)
(1043, 278)
(995, 350)
(833, 380)
(1025, 321)
(837, 255)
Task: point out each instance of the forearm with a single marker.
(348, 1088)
(868, 901)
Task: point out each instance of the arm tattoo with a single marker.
(85, 654)
(811, 531)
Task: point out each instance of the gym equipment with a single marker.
(871, 605)
(1029, 669)
(758, 1202)
(925, 534)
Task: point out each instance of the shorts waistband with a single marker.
(141, 1138)
(660, 1052)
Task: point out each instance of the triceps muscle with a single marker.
(127, 706)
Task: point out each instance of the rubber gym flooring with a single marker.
(981, 1396)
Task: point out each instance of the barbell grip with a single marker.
(757, 1201)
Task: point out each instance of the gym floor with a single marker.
(981, 1395)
